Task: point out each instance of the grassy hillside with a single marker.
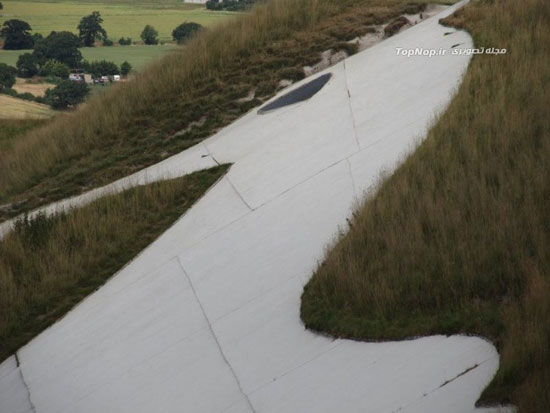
(13, 108)
(11, 129)
(120, 19)
(457, 240)
(48, 265)
(136, 124)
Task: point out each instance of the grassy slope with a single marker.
(13, 108)
(135, 124)
(456, 241)
(138, 56)
(11, 129)
(119, 19)
(49, 265)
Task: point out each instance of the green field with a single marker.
(120, 19)
(138, 55)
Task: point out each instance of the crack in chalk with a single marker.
(209, 154)
(239, 194)
(305, 363)
(352, 180)
(476, 365)
(303, 181)
(351, 107)
(228, 180)
(267, 202)
(17, 362)
(459, 375)
(215, 337)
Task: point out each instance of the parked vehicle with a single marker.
(76, 77)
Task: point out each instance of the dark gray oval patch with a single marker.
(300, 94)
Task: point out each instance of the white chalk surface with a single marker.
(206, 319)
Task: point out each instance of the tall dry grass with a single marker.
(457, 240)
(11, 129)
(136, 124)
(49, 264)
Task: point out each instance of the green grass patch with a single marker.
(49, 264)
(120, 19)
(456, 240)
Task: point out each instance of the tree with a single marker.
(214, 5)
(27, 66)
(55, 68)
(67, 93)
(125, 41)
(149, 35)
(125, 68)
(16, 35)
(102, 68)
(1, 6)
(7, 76)
(85, 65)
(185, 31)
(90, 29)
(36, 37)
(61, 46)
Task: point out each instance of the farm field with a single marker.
(12, 108)
(37, 89)
(120, 19)
(138, 56)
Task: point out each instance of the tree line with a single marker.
(17, 33)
